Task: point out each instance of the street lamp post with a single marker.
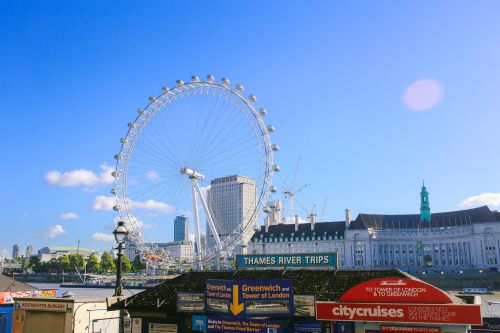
(121, 234)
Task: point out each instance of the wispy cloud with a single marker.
(80, 177)
(103, 202)
(102, 237)
(52, 231)
(423, 94)
(68, 216)
(152, 175)
(490, 199)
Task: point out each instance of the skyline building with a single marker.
(15, 251)
(181, 228)
(453, 241)
(232, 201)
(29, 251)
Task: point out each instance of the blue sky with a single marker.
(332, 74)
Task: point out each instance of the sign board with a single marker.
(304, 305)
(215, 324)
(199, 323)
(400, 313)
(136, 325)
(408, 329)
(297, 260)
(491, 324)
(476, 291)
(44, 306)
(190, 302)
(249, 297)
(307, 327)
(396, 290)
(162, 328)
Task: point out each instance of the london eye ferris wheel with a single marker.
(180, 143)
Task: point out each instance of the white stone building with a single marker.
(439, 242)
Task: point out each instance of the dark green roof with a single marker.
(333, 229)
(326, 285)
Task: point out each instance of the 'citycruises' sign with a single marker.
(249, 297)
(396, 290)
(400, 313)
(297, 260)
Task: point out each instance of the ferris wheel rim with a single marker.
(137, 126)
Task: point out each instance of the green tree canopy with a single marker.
(35, 264)
(76, 261)
(107, 263)
(137, 264)
(64, 263)
(93, 264)
(126, 264)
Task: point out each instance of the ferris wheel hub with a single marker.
(192, 174)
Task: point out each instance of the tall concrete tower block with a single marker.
(232, 200)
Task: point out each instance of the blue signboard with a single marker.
(307, 327)
(215, 324)
(297, 260)
(199, 323)
(476, 291)
(249, 297)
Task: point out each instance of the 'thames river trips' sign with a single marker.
(295, 260)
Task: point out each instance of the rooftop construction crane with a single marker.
(290, 192)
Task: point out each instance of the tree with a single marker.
(53, 265)
(137, 264)
(76, 261)
(107, 263)
(126, 265)
(35, 264)
(93, 264)
(64, 263)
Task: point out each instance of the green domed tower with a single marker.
(425, 208)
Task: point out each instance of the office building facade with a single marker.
(232, 201)
(181, 228)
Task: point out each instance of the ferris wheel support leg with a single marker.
(209, 217)
(196, 221)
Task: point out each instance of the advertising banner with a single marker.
(297, 260)
(408, 329)
(396, 290)
(243, 325)
(400, 313)
(249, 297)
(7, 297)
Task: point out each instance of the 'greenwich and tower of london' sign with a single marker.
(292, 260)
